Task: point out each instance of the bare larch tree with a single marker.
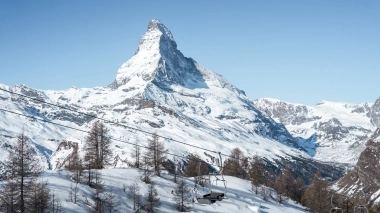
(21, 172)
(156, 153)
(182, 197)
(98, 147)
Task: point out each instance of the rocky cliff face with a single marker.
(340, 129)
(365, 177)
(375, 113)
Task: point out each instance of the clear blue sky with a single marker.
(297, 51)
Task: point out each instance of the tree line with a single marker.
(317, 196)
(22, 190)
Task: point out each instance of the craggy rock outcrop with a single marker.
(365, 177)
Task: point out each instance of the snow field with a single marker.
(240, 197)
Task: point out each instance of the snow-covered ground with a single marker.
(240, 197)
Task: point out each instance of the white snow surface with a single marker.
(240, 196)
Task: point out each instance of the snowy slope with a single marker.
(240, 197)
(340, 129)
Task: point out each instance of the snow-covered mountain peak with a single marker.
(157, 38)
(158, 63)
(158, 60)
(156, 25)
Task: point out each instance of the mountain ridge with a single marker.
(341, 129)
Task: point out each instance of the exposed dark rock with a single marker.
(64, 115)
(365, 177)
(375, 113)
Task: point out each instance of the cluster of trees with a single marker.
(316, 196)
(285, 184)
(22, 190)
(98, 155)
(153, 161)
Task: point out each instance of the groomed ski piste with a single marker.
(240, 197)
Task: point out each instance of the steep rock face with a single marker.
(365, 177)
(157, 90)
(375, 113)
(341, 129)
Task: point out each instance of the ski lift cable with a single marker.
(84, 131)
(109, 121)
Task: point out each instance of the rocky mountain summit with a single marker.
(157, 90)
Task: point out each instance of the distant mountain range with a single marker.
(337, 132)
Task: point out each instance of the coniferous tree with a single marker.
(265, 192)
(75, 165)
(196, 167)
(279, 186)
(152, 199)
(89, 174)
(317, 196)
(110, 203)
(256, 173)
(21, 171)
(146, 172)
(156, 154)
(136, 154)
(175, 172)
(235, 164)
(134, 195)
(298, 190)
(9, 197)
(73, 192)
(39, 197)
(182, 196)
(99, 188)
(98, 147)
(284, 185)
(55, 204)
(288, 181)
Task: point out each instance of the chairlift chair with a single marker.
(361, 208)
(212, 196)
(334, 209)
